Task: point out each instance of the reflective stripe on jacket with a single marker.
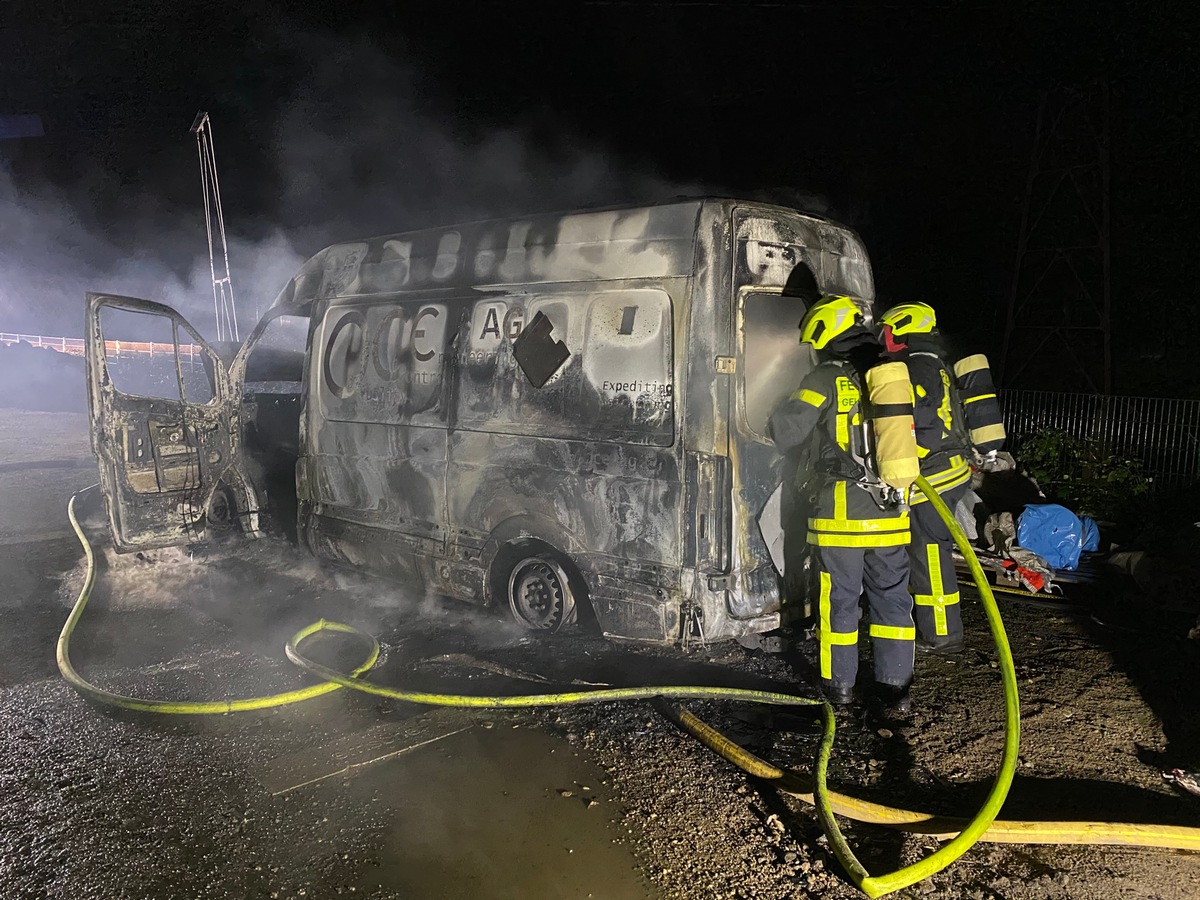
(826, 414)
(938, 418)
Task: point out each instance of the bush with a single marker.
(1084, 476)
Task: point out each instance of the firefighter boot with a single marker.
(838, 694)
(893, 699)
(949, 649)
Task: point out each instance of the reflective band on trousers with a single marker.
(841, 531)
(826, 636)
(896, 523)
(894, 632)
(938, 600)
(880, 539)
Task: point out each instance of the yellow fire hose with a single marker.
(100, 695)
(878, 885)
(961, 834)
(798, 785)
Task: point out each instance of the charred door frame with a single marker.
(192, 447)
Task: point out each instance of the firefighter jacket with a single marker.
(938, 418)
(825, 417)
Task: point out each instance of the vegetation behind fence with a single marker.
(1163, 435)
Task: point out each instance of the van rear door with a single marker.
(771, 364)
(164, 422)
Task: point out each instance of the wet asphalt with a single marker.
(346, 795)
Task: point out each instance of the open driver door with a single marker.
(165, 426)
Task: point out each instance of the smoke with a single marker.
(49, 259)
(266, 583)
(360, 144)
(358, 147)
(362, 151)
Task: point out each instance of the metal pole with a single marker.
(1104, 234)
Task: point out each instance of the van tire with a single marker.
(221, 517)
(539, 585)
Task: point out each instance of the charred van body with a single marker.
(563, 414)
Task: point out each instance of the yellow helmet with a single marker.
(910, 318)
(831, 316)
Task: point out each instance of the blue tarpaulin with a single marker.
(1054, 533)
(1091, 534)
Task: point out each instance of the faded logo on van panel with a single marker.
(343, 357)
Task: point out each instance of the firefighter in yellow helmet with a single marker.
(909, 332)
(858, 536)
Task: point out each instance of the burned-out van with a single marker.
(564, 415)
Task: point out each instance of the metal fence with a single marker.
(1163, 434)
(73, 346)
(190, 354)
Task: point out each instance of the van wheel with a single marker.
(222, 514)
(539, 588)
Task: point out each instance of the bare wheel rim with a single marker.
(220, 510)
(539, 594)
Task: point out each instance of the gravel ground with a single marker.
(98, 805)
(1092, 750)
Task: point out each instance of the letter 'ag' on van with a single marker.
(564, 415)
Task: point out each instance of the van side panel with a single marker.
(614, 510)
(376, 448)
(616, 433)
(587, 462)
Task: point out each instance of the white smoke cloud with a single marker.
(49, 259)
(362, 152)
(358, 149)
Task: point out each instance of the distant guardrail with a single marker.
(192, 354)
(1162, 433)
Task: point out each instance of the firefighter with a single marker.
(858, 534)
(910, 334)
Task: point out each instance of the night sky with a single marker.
(911, 122)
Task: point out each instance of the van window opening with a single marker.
(764, 262)
(773, 359)
(143, 357)
(276, 362)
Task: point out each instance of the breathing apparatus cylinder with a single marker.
(981, 408)
(891, 395)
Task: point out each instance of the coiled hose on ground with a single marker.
(961, 834)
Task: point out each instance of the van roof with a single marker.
(644, 241)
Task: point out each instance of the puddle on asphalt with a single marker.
(481, 815)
